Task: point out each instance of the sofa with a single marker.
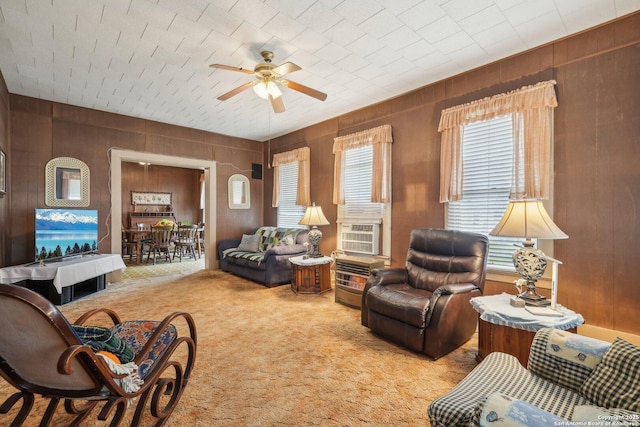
(569, 380)
(263, 254)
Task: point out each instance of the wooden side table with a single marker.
(310, 275)
(510, 330)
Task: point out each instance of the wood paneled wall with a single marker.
(597, 182)
(41, 130)
(597, 148)
(182, 183)
(4, 145)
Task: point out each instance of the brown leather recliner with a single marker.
(425, 305)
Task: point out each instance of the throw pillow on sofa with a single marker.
(249, 243)
(615, 382)
(510, 412)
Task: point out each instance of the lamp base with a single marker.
(314, 237)
(530, 297)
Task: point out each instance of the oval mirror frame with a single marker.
(55, 193)
(239, 193)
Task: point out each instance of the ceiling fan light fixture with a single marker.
(273, 90)
(260, 89)
(264, 89)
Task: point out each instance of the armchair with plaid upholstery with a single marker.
(569, 379)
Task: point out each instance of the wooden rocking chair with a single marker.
(41, 354)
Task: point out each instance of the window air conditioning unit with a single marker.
(360, 238)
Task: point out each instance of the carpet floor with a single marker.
(269, 357)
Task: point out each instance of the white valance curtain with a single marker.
(380, 138)
(302, 156)
(531, 108)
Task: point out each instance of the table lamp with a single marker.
(313, 216)
(529, 219)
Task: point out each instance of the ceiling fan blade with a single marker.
(277, 104)
(286, 68)
(305, 89)
(227, 67)
(236, 91)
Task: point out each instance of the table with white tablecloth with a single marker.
(60, 278)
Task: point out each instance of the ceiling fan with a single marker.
(265, 85)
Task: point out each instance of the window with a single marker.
(487, 159)
(493, 150)
(362, 190)
(289, 214)
(358, 170)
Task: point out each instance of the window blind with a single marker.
(358, 170)
(289, 214)
(487, 148)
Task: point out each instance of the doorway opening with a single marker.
(209, 169)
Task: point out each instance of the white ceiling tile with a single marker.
(193, 32)
(495, 34)
(381, 24)
(247, 31)
(460, 9)
(150, 12)
(332, 52)
(344, 32)
(122, 21)
(357, 11)
(527, 11)
(624, 7)
(256, 12)
(398, 7)
(149, 58)
(283, 27)
(422, 14)
(454, 42)
(364, 46)
(310, 40)
(220, 20)
(189, 9)
(319, 17)
(293, 9)
(541, 29)
(483, 20)
(417, 50)
(400, 38)
(352, 63)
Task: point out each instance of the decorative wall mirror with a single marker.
(238, 192)
(67, 183)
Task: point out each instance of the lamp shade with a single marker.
(313, 216)
(529, 219)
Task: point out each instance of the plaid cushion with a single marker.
(615, 382)
(500, 372)
(565, 358)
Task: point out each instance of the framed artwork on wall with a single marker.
(150, 198)
(3, 173)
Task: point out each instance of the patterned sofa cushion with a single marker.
(509, 412)
(615, 382)
(136, 333)
(267, 237)
(271, 236)
(565, 358)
